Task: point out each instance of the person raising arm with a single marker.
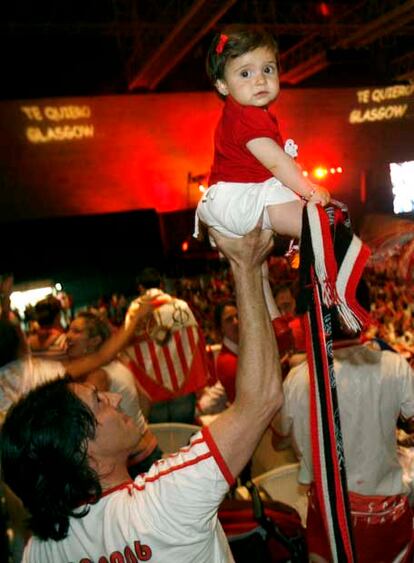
(259, 395)
(69, 465)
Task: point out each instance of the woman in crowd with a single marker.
(86, 334)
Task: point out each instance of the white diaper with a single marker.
(234, 209)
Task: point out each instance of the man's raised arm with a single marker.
(258, 384)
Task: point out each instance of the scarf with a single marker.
(332, 259)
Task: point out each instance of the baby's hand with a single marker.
(320, 195)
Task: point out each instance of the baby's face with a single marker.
(251, 79)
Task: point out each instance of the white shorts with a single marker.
(234, 209)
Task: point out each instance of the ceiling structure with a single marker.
(101, 47)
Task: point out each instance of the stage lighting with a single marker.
(324, 9)
(402, 181)
(320, 172)
(25, 295)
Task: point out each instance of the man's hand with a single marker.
(320, 195)
(138, 311)
(248, 251)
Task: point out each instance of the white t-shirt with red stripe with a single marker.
(168, 515)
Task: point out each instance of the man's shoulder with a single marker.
(45, 365)
(299, 373)
(181, 303)
(370, 353)
(396, 360)
(296, 387)
(118, 371)
(199, 458)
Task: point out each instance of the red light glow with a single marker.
(184, 246)
(320, 172)
(324, 9)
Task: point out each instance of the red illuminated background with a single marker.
(145, 148)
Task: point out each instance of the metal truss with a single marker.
(199, 19)
(153, 37)
(310, 56)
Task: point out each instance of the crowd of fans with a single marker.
(392, 309)
(392, 312)
(45, 323)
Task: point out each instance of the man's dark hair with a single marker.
(44, 458)
(218, 311)
(10, 341)
(95, 325)
(47, 310)
(284, 287)
(149, 278)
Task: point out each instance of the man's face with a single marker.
(77, 339)
(116, 432)
(230, 323)
(285, 302)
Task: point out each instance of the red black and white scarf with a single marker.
(332, 259)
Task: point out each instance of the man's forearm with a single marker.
(259, 382)
(109, 349)
(259, 396)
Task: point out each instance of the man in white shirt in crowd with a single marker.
(374, 387)
(69, 465)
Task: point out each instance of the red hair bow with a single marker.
(222, 42)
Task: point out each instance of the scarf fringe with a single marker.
(333, 285)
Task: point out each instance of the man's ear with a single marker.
(221, 87)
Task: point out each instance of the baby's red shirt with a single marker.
(233, 162)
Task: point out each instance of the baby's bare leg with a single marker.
(286, 218)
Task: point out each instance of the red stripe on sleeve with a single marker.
(217, 455)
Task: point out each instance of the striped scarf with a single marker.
(332, 259)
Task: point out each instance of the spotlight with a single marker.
(324, 9)
(320, 172)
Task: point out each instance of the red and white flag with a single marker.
(173, 367)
